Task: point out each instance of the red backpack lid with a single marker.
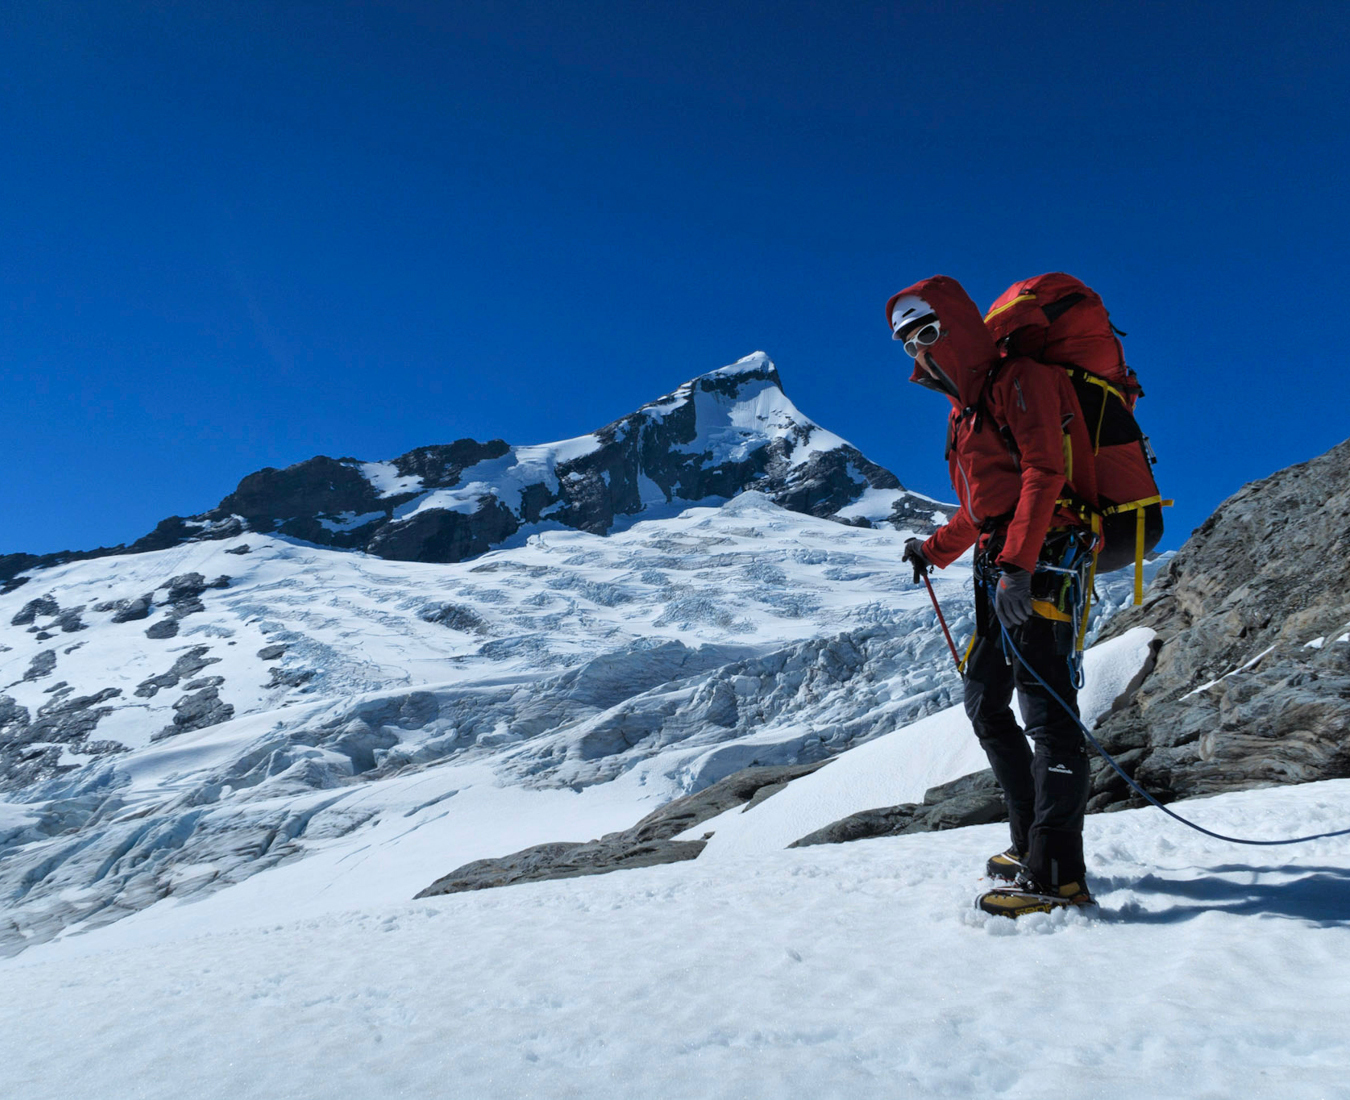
(1056, 318)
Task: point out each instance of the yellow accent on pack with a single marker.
(1008, 305)
(1101, 383)
(1137, 507)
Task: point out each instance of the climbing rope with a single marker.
(1012, 648)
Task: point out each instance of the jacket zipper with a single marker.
(965, 503)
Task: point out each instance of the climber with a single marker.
(1012, 424)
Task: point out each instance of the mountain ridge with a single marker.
(717, 435)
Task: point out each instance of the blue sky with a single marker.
(238, 235)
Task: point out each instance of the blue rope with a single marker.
(1008, 642)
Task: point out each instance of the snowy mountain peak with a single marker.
(756, 365)
(717, 435)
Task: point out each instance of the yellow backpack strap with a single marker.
(1107, 390)
(1137, 507)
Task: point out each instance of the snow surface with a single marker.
(847, 971)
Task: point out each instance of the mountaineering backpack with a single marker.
(1058, 320)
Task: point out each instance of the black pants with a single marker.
(1047, 790)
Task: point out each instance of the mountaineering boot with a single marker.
(1026, 895)
(1006, 865)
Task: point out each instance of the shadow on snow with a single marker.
(1320, 895)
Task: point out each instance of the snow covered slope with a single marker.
(846, 971)
(691, 646)
(313, 694)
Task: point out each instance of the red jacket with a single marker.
(1009, 443)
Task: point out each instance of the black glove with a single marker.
(1012, 598)
(914, 553)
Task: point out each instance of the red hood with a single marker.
(966, 351)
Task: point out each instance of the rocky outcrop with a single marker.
(971, 800)
(183, 599)
(41, 665)
(202, 708)
(648, 843)
(439, 534)
(1250, 684)
(714, 437)
(27, 615)
(127, 611)
(187, 665)
(32, 746)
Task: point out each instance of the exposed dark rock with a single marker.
(69, 620)
(1236, 696)
(13, 718)
(646, 844)
(197, 711)
(915, 513)
(184, 599)
(31, 748)
(43, 605)
(11, 565)
(168, 532)
(13, 583)
(739, 788)
(103, 748)
(554, 861)
(271, 652)
(453, 616)
(126, 611)
(212, 526)
(41, 665)
(187, 665)
(188, 586)
(971, 800)
(270, 498)
(441, 466)
(437, 534)
(241, 549)
(289, 677)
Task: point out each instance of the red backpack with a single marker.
(1058, 320)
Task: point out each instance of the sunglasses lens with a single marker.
(923, 338)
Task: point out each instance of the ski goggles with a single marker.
(923, 337)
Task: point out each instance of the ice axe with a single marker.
(923, 572)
